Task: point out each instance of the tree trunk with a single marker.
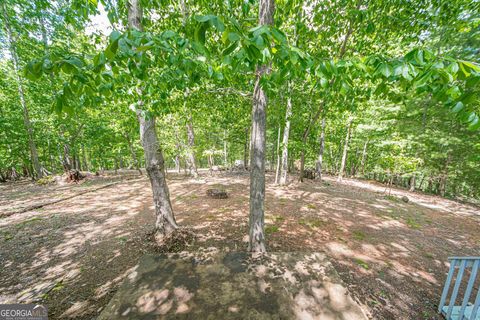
(412, 183)
(320, 152)
(345, 150)
(26, 117)
(245, 151)
(364, 157)
(305, 137)
(257, 159)
(191, 147)
(84, 159)
(66, 160)
(165, 222)
(225, 161)
(443, 178)
(133, 153)
(277, 172)
(286, 132)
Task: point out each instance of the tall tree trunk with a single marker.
(66, 159)
(165, 222)
(225, 161)
(257, 159)
(364, 157)
(246, 150)
(443, 179)
(191, 147)
(277, 172)
(84, 158)
(306, 132)
(320, 152)
(286, 132)
(26, 117)
(345, 150)
(133, 153)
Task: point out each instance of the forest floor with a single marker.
(72, 255)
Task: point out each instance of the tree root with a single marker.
(175, 241)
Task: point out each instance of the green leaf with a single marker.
(458, 106)
(386, 70)
(470, 65)
(58, 104)
(259, 30)
(168, 34)
(204, 18)
(233, 37)
(230, 49)
(114, 36)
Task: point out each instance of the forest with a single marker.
(132, 127)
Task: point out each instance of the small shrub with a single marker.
(46, 180)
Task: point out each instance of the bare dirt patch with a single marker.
(392, 255)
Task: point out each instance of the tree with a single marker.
(165, 223)
(257, 158)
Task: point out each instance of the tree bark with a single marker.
(26, 117)
(246, 151)
(277, 172)
(320, 152)
(443, 178)
(257, 158)
(225, 160)
(304, 139)
(286, 132)
(165, 222)
(364, 157)
(133, 153)
(191, 147)
(345, 150)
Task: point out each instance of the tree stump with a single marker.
(74, 176)
(217, 193)
(309, 174)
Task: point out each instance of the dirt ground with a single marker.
(73, 254)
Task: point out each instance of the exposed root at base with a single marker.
(176, 241)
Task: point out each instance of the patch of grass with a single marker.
(278, 218)
(7, 236)
(412, 223)
(359, 235)
(311, 206)
(391, 198)
(23, 224)
(122, 240)
(362, 264)
(271, 229)
(312, 223)
(58, 286)
(428, 255)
